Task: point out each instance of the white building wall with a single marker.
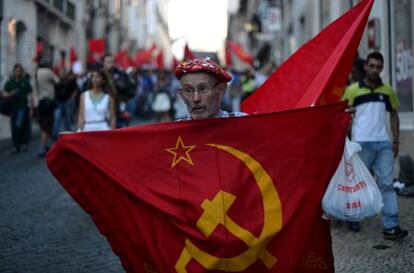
(26, 48)
(162, 34)
(22, 49)
(77, 36)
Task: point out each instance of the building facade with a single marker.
(59, 24)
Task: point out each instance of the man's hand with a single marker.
(351, 110)
(6, 95)
(31, 112)
(395, 148)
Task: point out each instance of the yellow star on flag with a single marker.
(181, 152)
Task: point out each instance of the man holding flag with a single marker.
(221, 195)
(191, 197)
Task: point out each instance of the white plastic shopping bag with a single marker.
(352, 193)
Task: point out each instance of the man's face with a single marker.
(108, 62)
(201, 94)
(373, 68)
(18, 72)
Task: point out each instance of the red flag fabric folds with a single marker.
(208, 195)
(317, 72)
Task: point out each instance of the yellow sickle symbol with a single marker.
(215, 213)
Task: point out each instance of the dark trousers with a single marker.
(19, 123)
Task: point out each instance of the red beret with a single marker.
(202, 65)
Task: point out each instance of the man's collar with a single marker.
(225, 114)
(363, 84)
(221, 114)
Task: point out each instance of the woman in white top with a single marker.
(96, 108)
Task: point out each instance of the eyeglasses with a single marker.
(201, 89)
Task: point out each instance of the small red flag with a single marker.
(240, 52)
(91, 59)
(144, 56)
(97, 46)
(187, 53)
(141, 57)
(39, 51)
(160, 60)
(318, 71)
(73, 56)
(122, 59)
(190, 197)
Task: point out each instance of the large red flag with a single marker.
(315, 74)
(208, 195)
(318, 71)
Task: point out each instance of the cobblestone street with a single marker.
(43, 230)
(366, 251)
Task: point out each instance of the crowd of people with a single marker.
(108, 97)
(104, 97)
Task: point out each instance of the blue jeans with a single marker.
(64, 111)
(379, 157)
(19, 123)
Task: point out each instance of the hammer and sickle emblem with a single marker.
(215, 213)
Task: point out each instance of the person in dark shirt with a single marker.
(65, 93)
(17, 88)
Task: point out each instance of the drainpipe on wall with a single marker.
(390, 41)
(1, 20)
